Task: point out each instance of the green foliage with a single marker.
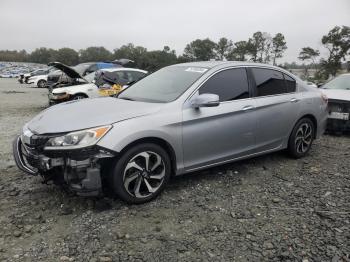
(223, 48)
(337, 42)
(239, 51)
(43, 55)
(200, 50)
(67, 56)
(94, 53)
(14, 56)
(279, 45)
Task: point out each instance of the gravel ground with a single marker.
(270, 208)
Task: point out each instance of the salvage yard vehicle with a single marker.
(58, 78)
(105, 82)
(182, 118)
(39, 81)
(23, 78)
(338, 92)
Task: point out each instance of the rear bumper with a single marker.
(82, 175)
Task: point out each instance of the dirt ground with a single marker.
(270, 208)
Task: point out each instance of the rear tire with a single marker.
(141, 173)
(300, 141)
(41, 84)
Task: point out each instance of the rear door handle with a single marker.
(294, 100)
(247, 108)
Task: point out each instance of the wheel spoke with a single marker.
(157, 163)
(159, 176)
(149, 187)
(133, 165)
(146, 156)
(137, 187)
(130, 179)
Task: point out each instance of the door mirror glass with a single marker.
(205, 100)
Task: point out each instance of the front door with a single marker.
(218, 134)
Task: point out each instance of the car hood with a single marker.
(66, 69)
(69, 89)
(337, 94)
(87, 113)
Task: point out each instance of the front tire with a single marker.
(301, 139)
(41, 84)
(141, 173)
(79, 97)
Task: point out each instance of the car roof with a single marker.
(114, 69)
(212, 64)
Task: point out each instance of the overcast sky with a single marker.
(155, 23)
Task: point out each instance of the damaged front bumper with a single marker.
(339, 116)
(79, 169)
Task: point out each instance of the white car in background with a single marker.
(338, 92)
(39, 81)
(105, 82)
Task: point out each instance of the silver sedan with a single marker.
(182, 118)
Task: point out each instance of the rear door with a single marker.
(277, 107)
(218, 134)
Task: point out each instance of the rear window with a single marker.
(269, 82)
(290, 84)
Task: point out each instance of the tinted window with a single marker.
(269, 82)
(229, 85)
(290, 84)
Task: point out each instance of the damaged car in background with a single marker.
(24, 78)
(105, 82)
(338, 92)
(180, 119)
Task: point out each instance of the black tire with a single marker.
(122, 172)
(300, 141)
(41, 84)
(78, 97)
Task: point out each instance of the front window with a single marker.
(165, 85)
(340, 82)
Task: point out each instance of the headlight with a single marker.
(78, 139)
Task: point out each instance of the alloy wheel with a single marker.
(144, 174)
(303, 138)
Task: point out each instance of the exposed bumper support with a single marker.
(83, 176)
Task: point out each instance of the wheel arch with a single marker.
(80, 93)
(160, 142)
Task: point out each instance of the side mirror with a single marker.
(205, 100)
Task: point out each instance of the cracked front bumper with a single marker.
(80, 170)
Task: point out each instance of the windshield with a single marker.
(81, 68)
(165, 85)
(90, 77)
(340, 82)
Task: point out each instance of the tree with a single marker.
(223, 48)
(309, 54)
(129, 51)
(43, 55)
(259, 46)
(95, 53)
(337, 42)
(200, 50)
(279, 45)
(67, 56)
(239, 51)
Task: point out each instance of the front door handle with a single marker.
(294, 100)
(247, 108)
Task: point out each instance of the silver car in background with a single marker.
(182, 118)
